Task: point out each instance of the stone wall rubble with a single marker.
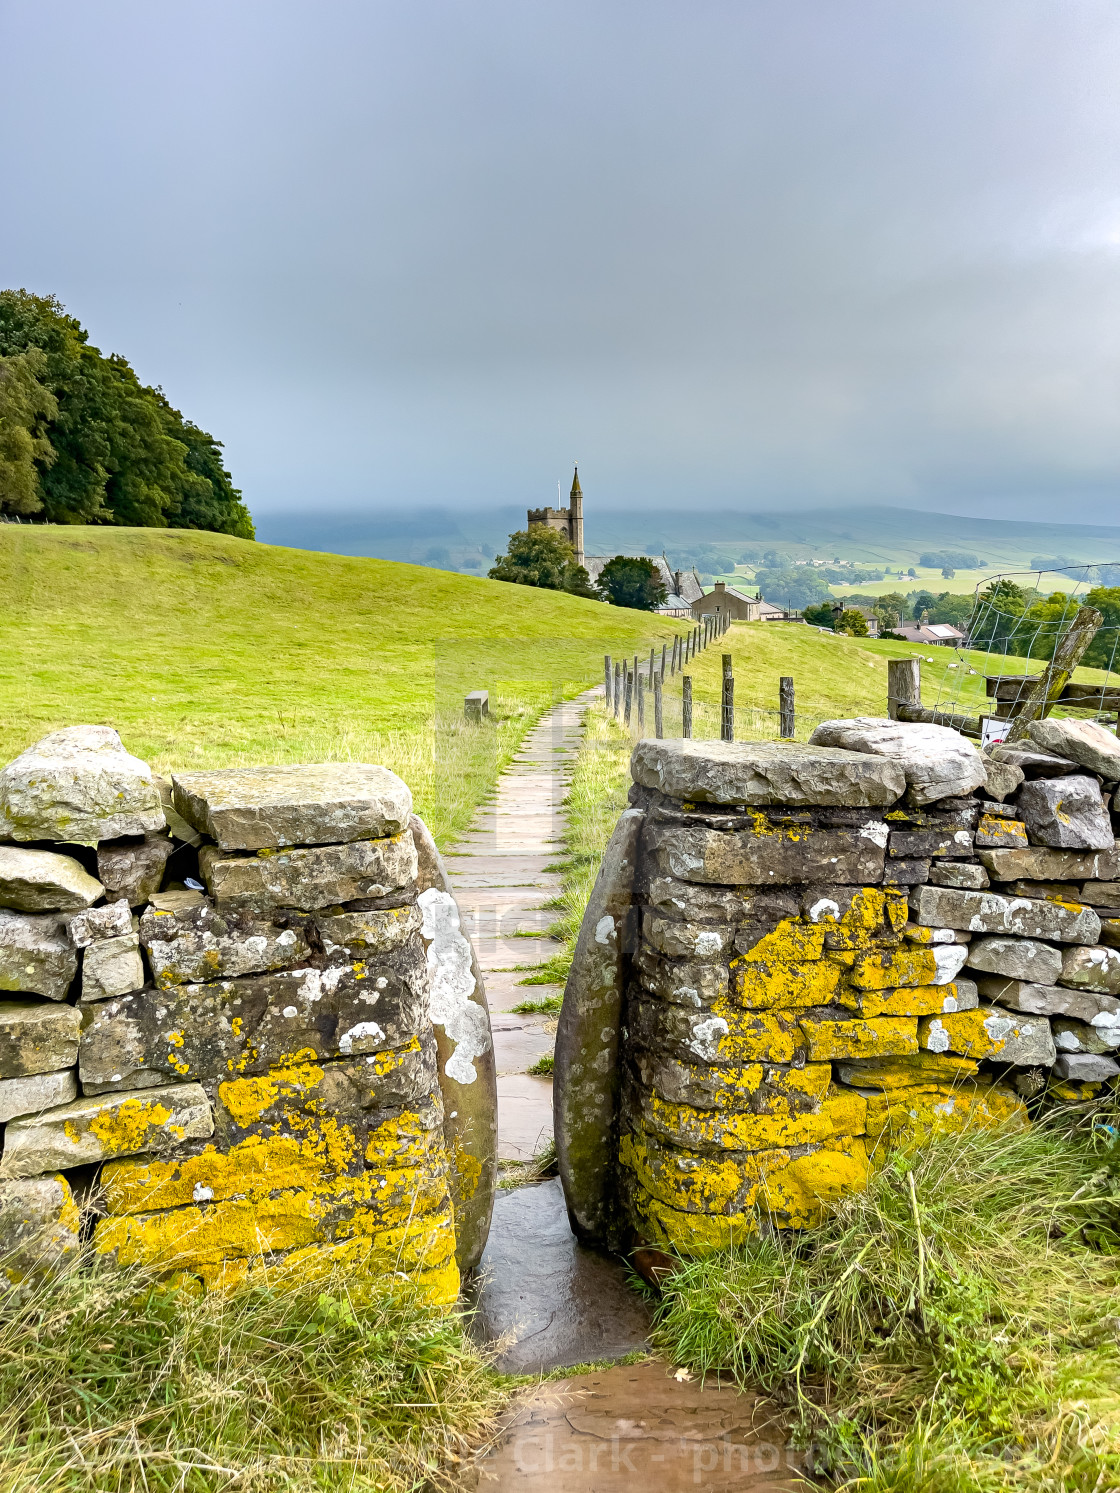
(285, 1072)
(799, 957)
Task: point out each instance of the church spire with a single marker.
(577, 491)
(575, 518)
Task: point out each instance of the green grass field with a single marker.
(834, 675)
(208, 651)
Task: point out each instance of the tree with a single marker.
(1104, 651)
(853, 623)
(630, 581)
(820, 615)
(955, 610)
(893, 608)
(25, 409)
(539, 556)
(797, 587)
(121, 453)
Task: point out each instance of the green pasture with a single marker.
(208, 651)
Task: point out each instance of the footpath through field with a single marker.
(549, 1301)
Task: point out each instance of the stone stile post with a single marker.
(658, 717)
(607, 679)
(727, 706)
(686, 705)
(786, 718)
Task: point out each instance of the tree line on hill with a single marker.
(83, 441)
(540, 556)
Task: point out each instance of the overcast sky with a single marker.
(747, 253)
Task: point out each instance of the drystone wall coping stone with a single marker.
(1066, 813)
(764, 772)
(134, 869)
(938, 762)
(35, 1038)
(97, 1128)
(318, 876)
(988, 912)
(1033, 764)
(38, 1091)
(44, 881)
(1084, 742)
(109, 921)
(36, 955)
(1016, 959)
(267, 808)
(78, 785)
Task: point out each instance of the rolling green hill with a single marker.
(204, 650)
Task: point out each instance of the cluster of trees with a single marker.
(950, 560)
(892, 608)
(542, 557)
(1025, 624)
(83, 441)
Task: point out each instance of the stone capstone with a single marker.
(39, 1231)
(320, 876)
(938, 762)
(36, 955)
(112, 966)
(133, 869)
(266, 808)
(764, 772)
(249, 1025)
(37, 1038)
(1087, 743)
(1031, 762)
(1016, 958)
(78, 785)
(199, 943)
(1093, 968)
(101, 1127)
(43, 881)
(27, 1096)
(110, 921)
(988, 912)
(1066, 813)
(778, 856)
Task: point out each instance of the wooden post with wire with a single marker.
(617, 688)
(787, 720)
(686, 705)
(658, 716)
(727, 702)
(639, 685)
(904, 684)
(607, 679)
(629, 702)
(1040, 699)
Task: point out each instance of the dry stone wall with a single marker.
(242, 1033)
(797, 958)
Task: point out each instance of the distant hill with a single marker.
(467, 541)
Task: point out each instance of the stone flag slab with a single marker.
(78, 785)
(938, 762)
(266, 808)
(765, 772)
(43, 881)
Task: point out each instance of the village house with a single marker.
(723, 599)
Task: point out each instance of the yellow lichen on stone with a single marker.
(128, 1126)
(684, 1180)
(1071, 1092)
(886, 970)
(881, 1036)
(798, 1195)
(791, 1090)
(845, 1110)
(982, 1033)
(406, 1139)
(738, 1037)
(770, 984)
(923, 1068)
(248, 1099)
(702, 1129)
(904, 1116)
(791, 939)
(919, 1000)
(691, 1234)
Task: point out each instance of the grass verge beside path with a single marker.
(951, 1330)
(110, 1383)
(206, 651)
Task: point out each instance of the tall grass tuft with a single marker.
(111, 1381)
(954, 1326)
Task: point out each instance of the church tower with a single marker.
(575, 509)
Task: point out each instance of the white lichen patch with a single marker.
(451, 985)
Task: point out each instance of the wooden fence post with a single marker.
(617, 688)
(641, 689)
(1041, 697)
(786, 718)
(686, 705)
(658, 717)
(904, 684)
(663, 653)
(652, 655)
(629, 705)
(607, 679)
(727, 702)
